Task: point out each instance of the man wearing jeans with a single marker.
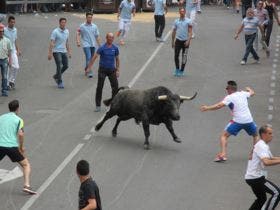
(160, 9)
(5, 60)
(59, 47)
(250, 26)
(109, 64)
(90, 39)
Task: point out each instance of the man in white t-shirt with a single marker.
(256, 175)
(237, 101)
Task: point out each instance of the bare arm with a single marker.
(78, 39)
(98, 40)
(68, 48)
(250, 90)
(50, 49)
(165, 8)
(271, 161)
(134, 12)
(238, 31)
(173, 37)
(216, 106)
(189, 35)
(117, 66)
(91, 205)
(17, 48)
(21, 140)
(275, 13)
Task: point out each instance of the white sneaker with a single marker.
(242, 62)
(193, 36)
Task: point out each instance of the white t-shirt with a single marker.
(255, 167)
(238, 104)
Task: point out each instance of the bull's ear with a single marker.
(162, 97)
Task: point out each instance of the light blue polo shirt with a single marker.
(181, 27)
(60, 38)
(126, 8)
(11, 34)
(10, 124)
(89, 34)
(159, 6)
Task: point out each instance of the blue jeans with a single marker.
(249, 40)
(61, 61)
(89, 52)
(4, 75)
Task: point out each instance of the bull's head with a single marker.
(172, 104)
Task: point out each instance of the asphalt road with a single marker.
(58, 123)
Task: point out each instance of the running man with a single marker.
(126, 8)
(11, 142)
(237, 101)
(11, 33)
(59, 48)
(160, 9)
(182, 31)
(89, 33)
(256, 176)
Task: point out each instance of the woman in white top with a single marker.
(256, 175)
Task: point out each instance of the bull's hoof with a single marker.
(178, 140)
(114, 133)
(147, 147)
(97, 127)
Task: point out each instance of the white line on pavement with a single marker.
(273, 77)
(87, 137)
(271, 100)
(275, 60)
(274, 65)
(270, 117)
(274, 72)
(60, 168)
(49, 180)
(272, 84)
(272, 92)
(270, 108)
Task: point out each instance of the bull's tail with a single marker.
(108, 101)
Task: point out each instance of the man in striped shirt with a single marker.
(250, 26)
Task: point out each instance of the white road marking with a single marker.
(274, 72)
(270, 108)
(271, 100)
(273, 77)
(274, 65)
(8, 175)
(275, 60)
(87, 137)
(270, 117)
(277, 49)
(272, 92)
(60, 168)
(276, 54)
(52, 177)
(272, 84)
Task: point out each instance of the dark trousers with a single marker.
(102, 74)
(4, 75)
(268, 30)
(61, 61)
(249, 40)
(260, 187)
(180, 45)
(159, 25)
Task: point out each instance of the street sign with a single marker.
(8, 175)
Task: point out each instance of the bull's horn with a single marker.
(188, 98)
(162, 97)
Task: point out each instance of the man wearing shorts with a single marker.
(237, 101)
(11, 142)
(126, 8)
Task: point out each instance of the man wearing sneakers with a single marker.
(182, 31)
(237, 101)
(160, 8)
(59, 47)
(109, 66)
(256, 176)
(90, 39)
(250, 26)
(11, 142)
(11, 32)
(126, 8)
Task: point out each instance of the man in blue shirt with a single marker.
(109, 64)
(11, 142)
(160, 8)
(182, 31)
(90, 39)
(59, 47)
(126, 8)
(11, 32)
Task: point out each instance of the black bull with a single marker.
(152, 106)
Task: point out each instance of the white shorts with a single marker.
(124, 24)
(15, 63)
